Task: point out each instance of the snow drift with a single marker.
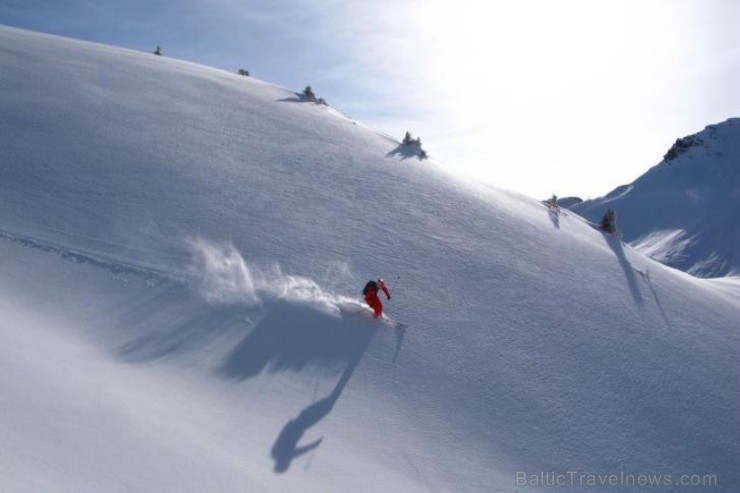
(150, 342)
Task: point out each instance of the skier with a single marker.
(371, 296)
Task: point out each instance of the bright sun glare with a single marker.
(522, 90)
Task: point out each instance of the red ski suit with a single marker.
(371, 298)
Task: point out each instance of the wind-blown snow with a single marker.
(221, 276)
(182, 251)
(684, 212)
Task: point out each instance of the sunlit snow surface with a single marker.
(182, 252)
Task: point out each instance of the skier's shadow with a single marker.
(296, 337)
(286, 446)
(400, 334)
(291, 337)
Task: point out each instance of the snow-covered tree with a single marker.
(609, 222)
(243, 72)
(408, 140)
(309, 94)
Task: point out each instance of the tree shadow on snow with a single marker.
(405, 152)
(298, 98)
(615, 243)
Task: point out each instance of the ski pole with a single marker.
(396, 280)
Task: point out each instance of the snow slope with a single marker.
(181, 251)
(685, 211)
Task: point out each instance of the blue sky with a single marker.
(568, 97)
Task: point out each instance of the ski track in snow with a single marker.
(114, 266)
(222, 278)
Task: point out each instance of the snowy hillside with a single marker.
(181, 255)
(684, 212)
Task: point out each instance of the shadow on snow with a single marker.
(286, 446)
(285, 336)
(406, 151)
(293, 337)
(615, 243)
(300, 98)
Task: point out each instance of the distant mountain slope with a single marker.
(182, 252)
(684, 212)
